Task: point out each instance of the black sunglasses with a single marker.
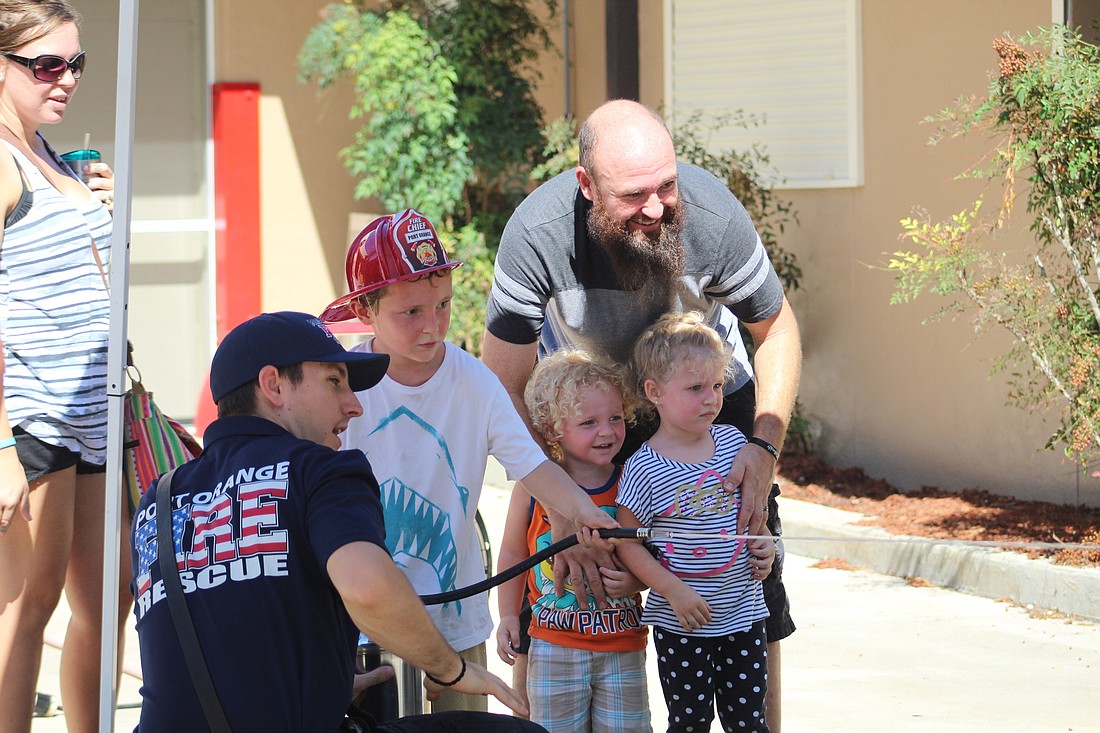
(48, 67)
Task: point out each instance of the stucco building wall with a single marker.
(306, 193)
(909, 402)
(914, 402)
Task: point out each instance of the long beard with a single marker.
(650, 267)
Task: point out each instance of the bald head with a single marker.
(628, 171)
(622, 130)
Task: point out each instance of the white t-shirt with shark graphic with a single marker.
(428, 446)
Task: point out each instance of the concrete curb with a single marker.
(980, 571)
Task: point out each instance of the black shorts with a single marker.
(40, 458)
(524, 626)
(779, 624)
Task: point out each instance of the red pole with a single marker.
(237, 202)
(237, 290)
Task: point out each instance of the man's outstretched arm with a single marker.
(386, 608)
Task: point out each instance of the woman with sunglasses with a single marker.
(54, 322)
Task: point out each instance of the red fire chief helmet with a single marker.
(391, 248)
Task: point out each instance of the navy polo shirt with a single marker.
(255, 519)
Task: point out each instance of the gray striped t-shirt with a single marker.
(554, 285)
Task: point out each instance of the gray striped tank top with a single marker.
(55, 318)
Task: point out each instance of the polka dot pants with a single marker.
(699, 671)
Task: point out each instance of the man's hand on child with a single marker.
(595, 518)
(753, 471)
(580, 567)
(761, 557)
(508, 639)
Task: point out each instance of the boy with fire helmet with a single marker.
(430, 425)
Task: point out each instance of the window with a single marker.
(794, 62)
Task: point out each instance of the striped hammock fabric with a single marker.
(154, 443)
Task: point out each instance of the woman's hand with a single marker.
(101, 179)
(15, 494)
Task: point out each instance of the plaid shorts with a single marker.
(574, 690)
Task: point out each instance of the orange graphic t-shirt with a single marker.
(561, 621)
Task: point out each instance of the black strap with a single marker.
(26, 198)
(181, 617)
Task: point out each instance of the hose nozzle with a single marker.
(635, 533)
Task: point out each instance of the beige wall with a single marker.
(912, 402)
(909, 402)
(169, 257)
(587, 63)
(306, 194)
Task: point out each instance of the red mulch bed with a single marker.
(969, 515)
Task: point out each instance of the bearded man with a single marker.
(593, 257)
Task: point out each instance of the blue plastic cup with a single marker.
(78, 159)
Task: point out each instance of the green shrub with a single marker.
(451, 125)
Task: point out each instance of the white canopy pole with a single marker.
(116, 358)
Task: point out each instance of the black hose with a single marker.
(506, 575)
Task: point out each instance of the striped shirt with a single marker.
(55, 319)
(689, 498)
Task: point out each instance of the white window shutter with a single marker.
(794, 62)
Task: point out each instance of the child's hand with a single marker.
(761, 557)
(508, 639)
(691, 610)
(620, 582)
(588, 539)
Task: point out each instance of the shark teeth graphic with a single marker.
(425, 530)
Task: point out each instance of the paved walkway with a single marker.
(872, 653)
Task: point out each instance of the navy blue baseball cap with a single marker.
(279, 340)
